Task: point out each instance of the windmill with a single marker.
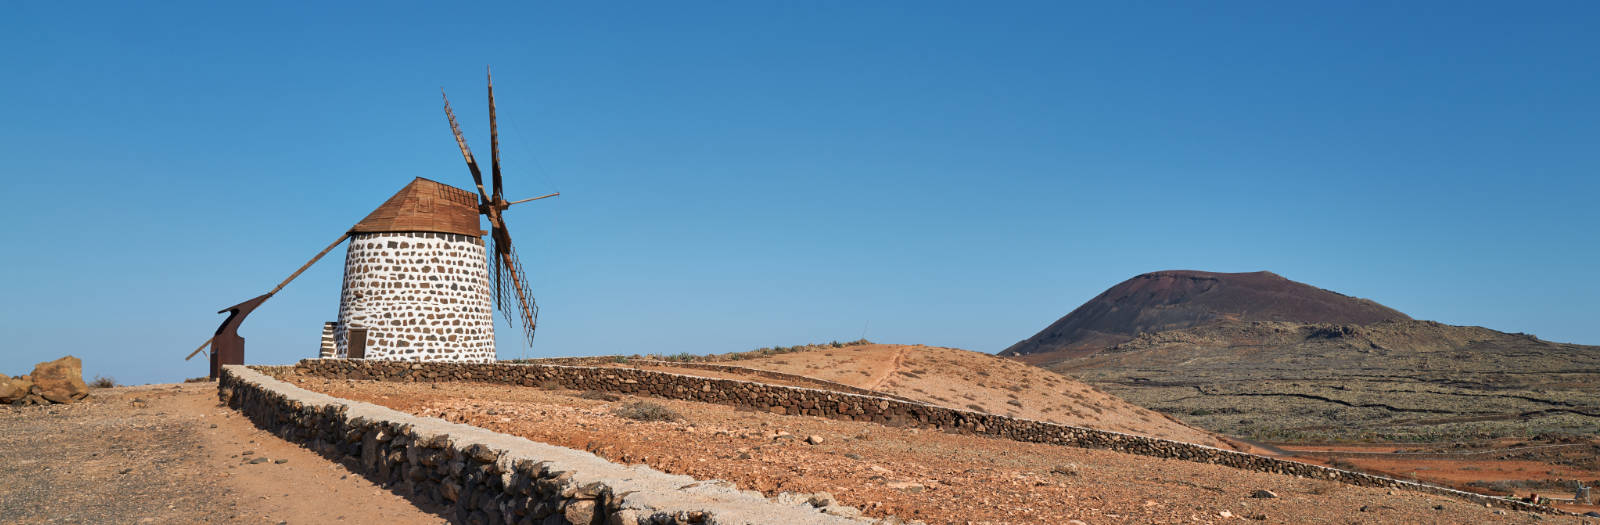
(420, 282)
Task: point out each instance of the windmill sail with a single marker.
(510, 284)
(507, 279)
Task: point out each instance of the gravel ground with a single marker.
(931, 476)
(110, 459)
(169, 454)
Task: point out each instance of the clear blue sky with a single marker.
(745, 174)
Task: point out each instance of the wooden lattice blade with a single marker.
(472, 164)
(494, 146)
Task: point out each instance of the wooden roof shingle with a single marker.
(425, 206)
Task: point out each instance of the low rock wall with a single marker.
(852, 407)
(612, 360)
(489, 478)
(817, 383)
(593, 360)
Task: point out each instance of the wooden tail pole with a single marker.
(310, 262)
(534, 198)
(197, 350)
(285, 282)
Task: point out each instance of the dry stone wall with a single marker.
(854, 407)
(488, 478)
(794, 378)
(420, 296)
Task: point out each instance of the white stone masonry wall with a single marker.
(421, 297)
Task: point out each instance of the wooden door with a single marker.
(357, 349)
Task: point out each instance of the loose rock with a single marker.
(14, 388)
(60, 381)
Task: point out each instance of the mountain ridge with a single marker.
(1178, 299)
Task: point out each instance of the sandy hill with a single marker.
(1178, 299)
(976, 381)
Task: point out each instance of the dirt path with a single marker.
(884, 375)
(169, 454)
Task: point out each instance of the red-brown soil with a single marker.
(1178, 299)
(1502, 468)
(931, 476)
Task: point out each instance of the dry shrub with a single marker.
(646, 411)
(1323, 486)
(102, 382)
(599, 396)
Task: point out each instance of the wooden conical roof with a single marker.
(425, 206)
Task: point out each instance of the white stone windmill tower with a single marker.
(419, 277)
(416, 281)
(420, 281)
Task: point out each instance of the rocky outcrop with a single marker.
(59, 381)
(14, 389)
